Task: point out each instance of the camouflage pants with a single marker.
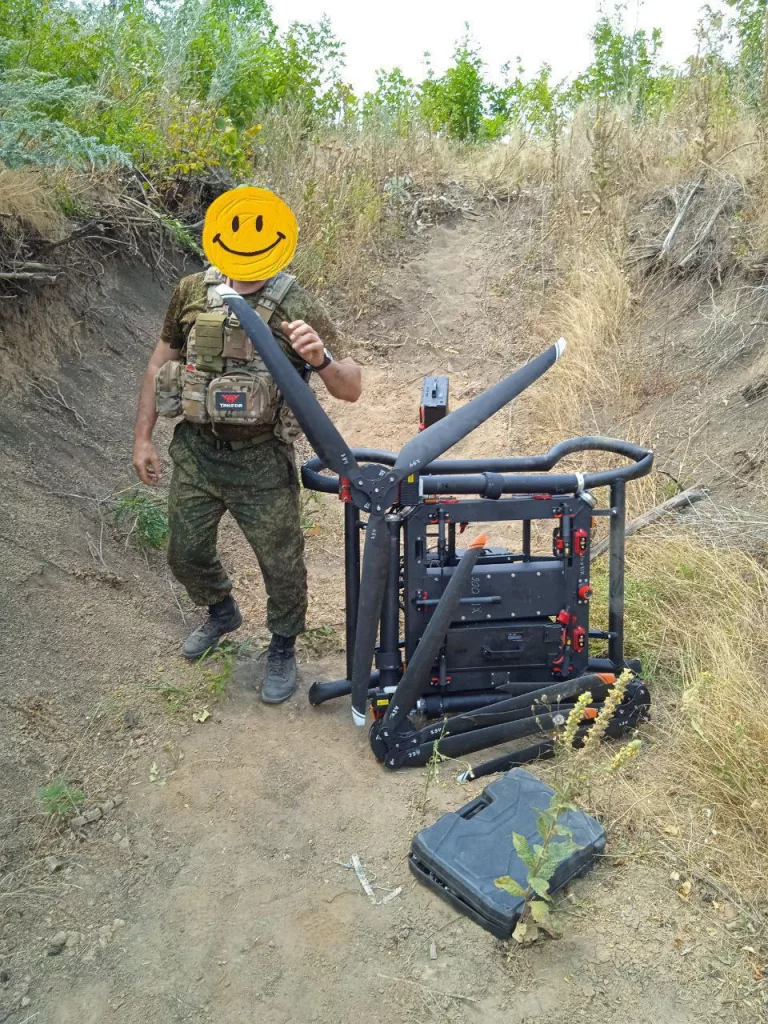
(259, 487)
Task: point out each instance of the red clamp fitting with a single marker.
(585, 592)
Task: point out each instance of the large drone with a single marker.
(393, 490)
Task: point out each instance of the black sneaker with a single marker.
(222, 619)
(281, 678)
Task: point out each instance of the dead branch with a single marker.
(676, 504)
(706, 231)
(45, 268)
(23, 275)
(681, 212)
(92, 225)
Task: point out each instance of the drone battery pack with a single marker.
(434, 401)
(464, 852)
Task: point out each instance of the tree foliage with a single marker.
(625, 67)
(750, 26)
(455, 102)
(33, 130)
(181, 87)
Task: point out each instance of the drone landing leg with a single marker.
(616, 574)
(352, 528)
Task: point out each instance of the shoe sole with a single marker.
(209, 650)
(281, 700)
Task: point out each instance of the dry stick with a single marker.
(679, 220)
(78, 233)
(47, 268)
(705, 233)
(434, 991)
(680, 501)
(178, 603)
(21, 275)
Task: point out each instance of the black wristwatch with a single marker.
(327, 360)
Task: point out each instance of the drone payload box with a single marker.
(464, 852)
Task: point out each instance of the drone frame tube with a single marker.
(525, 475)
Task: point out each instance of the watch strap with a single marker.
(327, 360)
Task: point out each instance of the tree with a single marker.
(751, 27)
(626, 67)
(454, 104)
(394, 103)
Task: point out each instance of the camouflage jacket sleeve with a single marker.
(187, 303)
(172, 333)
(299, 304)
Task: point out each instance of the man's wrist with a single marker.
(324, 363)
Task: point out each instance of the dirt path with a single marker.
(217, 892)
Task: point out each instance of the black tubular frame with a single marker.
(520, 475)
(488, 479)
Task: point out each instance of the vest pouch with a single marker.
(209, 341)
(240, 399)
(237, 344)
(168, 388)
(193, 404)
(287, 427)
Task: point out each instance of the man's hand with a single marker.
(147, 463)
(305, 341)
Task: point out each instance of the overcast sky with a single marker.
(387, 33)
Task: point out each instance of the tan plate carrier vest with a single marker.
(220, 379)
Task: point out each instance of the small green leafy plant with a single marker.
(60, 799)
(541, 862)
(318, 641)
(144, 513)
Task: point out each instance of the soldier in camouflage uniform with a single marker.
(248, 470)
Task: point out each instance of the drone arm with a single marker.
(407, 693)
(314, 421)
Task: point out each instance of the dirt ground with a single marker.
(218, 890)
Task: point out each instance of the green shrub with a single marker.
(144, 514)
(61, 799)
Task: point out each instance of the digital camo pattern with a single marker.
(259, 486)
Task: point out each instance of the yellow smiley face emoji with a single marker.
(250, 234)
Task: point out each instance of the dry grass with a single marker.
(25, 197)
(351, 193)
(697, 614)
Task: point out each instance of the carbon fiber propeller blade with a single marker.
(431, 443)
(315, 422)
(411, 685)
(373, 581)
(480, 739)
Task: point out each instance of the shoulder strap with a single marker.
(211, 278)
(270, 297)
(273, 294)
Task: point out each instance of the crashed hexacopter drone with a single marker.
(487, 645)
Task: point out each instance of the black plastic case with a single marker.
(463, 853)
